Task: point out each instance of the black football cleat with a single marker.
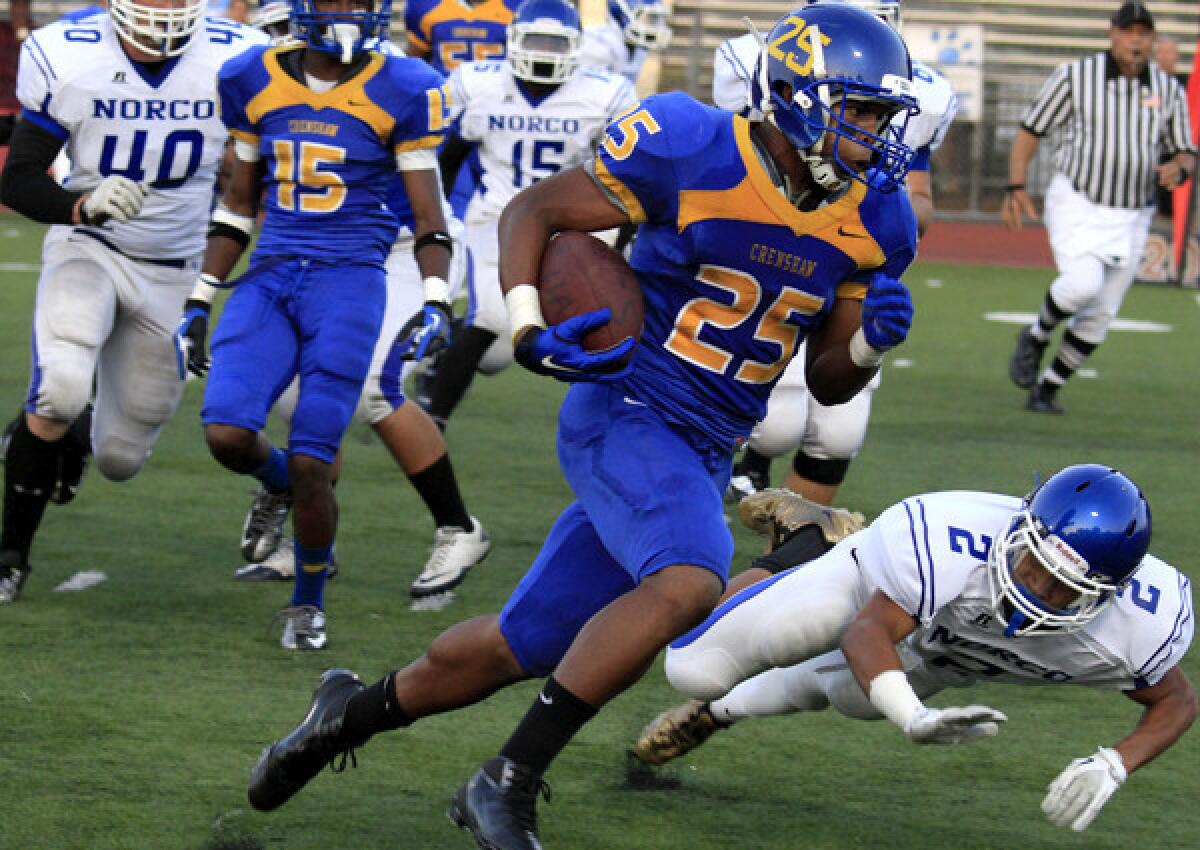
(1042, 400)
(1025, 360)
(13, 572)
(499, 806)
(287, 765)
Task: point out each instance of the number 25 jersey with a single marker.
(734, 276)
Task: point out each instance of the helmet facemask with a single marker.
(343, 35)
(164, 31)
(1023, 611)
(543, 51)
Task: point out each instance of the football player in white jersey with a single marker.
(531, 115)
(826, 438)
(633, 31)
(947, 590)
(131, 94)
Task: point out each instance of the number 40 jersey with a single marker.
(156, 123)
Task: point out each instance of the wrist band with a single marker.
(862, 354)
(1015, 187)
(524, 308)
(206, 288)
(434, 237)
(436, 289)
(891, 693)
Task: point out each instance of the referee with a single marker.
(1112, 116)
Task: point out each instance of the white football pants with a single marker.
(104, 320)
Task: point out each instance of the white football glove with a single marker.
(1077, 795)
(953, 725)
(117, 198)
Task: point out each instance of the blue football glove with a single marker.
(426, 333)
(558, 351)
(191, 338)
(887, 313)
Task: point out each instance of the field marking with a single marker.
(82, 581)
(20, 267)
(1134, 325)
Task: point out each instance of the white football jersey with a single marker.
(939, 105)
(604, 47)
(929, 555)
(522, 142)
(733, 71)
(116, 117)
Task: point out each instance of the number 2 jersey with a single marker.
(330, 157)
(522, 140)
(156, 123)
(734, 276)
(928, 554)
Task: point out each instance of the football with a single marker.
(581, 274)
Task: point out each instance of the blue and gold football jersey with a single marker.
(734, 276)
(452, 32)
(331, 157)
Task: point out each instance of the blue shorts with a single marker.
(648, 497)
(296, 316)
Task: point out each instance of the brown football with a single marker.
(581, 274)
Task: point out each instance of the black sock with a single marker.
(804, 545)
(456, 370)
(552, 721)
(30, 470)
(754, 464)
(438, 488)
(373, 710)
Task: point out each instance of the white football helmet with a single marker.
(644, 23)
(275, 19)
(165, 30)
(544, 42)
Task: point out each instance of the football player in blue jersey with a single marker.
(319, 127)
(752, 238)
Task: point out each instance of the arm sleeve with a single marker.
(1052, 105)
(26, 185)
(35, 89)
(731, 77)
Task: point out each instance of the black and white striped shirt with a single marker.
(1110, 131)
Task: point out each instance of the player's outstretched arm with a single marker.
(869, 644)
(1076, 796)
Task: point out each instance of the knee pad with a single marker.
(702, 673)
(119, 459)
(65, 387)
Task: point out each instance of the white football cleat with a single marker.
(455, 551)
(303, 627)
(263, 529)
(280, 565)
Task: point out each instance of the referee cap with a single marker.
(1132, 13)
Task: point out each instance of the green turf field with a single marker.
(131, 713)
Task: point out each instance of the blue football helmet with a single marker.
(341, 34)
(643, 23)
(1089, 527)
(819, 58)
(544, 41)
(888, 12)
